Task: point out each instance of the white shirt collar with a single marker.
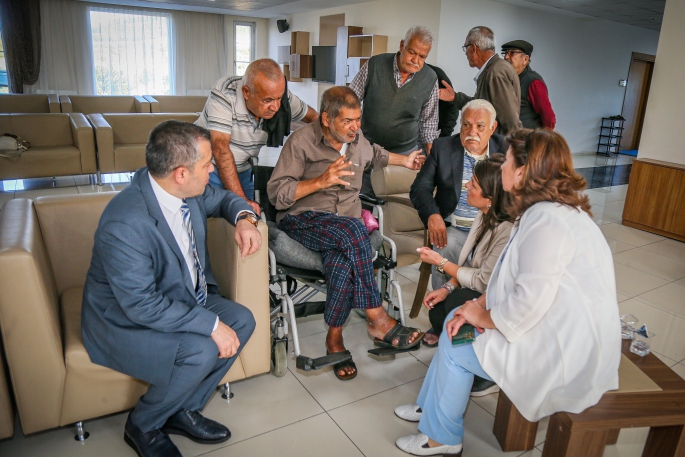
(482, 68)
(171, 203)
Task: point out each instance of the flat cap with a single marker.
(521, 45)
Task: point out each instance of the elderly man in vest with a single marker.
(536, 109)
(402, 115)
(496, 81)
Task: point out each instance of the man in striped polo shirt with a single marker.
(235, 112)
(447, 215)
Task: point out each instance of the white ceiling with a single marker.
(252, 8)
(646, 14)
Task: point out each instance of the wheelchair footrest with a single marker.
(381, 352)
(309, 364)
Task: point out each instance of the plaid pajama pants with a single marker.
(344, 245)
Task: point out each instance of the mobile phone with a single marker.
(465, 335)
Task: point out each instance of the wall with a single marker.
(663, 118)
(581, 61)
(382, 17)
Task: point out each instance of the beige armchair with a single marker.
(176, 103)
(121, 138)
(61, 145)
(29, 103)
(6, 410)
(89, 104)
(45, 252)
(401, 221)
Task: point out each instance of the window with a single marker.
(4, 89)
(130, 52)
(243, 33)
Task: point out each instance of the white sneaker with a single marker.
(414, 444)
(409, 413)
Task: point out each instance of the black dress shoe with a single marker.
(150, 444)
(196, 427)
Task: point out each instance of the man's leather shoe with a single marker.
(196, 427)
(150, 444)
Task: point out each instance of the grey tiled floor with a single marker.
(305, 414)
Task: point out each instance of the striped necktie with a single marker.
(201, 292)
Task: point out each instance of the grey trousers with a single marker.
(197, 370)
(455, 241)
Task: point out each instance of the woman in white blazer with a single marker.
(549, 330)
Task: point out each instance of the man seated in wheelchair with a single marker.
(315, 188)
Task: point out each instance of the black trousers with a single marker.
(442, 310)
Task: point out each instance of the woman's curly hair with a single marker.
(548, 173)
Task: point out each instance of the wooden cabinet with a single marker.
(656, 198)
(341, 53)
(354, 50)
(300, 66)
(284, 55)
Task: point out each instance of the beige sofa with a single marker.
(89, 104)
(61, 145)
(176, 103)
(121, 138)
(29, 103)
(401, 221)
(6, 410)
(45, 252)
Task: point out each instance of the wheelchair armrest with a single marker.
(399, 200)
(371, 200)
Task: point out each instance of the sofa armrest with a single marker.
(142, 105)
(104, 141)
(84, 140)
(29, 318)
(53, 103)
(65, 104)
(154, 104)
(245, 281)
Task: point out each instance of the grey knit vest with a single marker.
(391, 115)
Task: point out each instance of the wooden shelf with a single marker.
(300, 66)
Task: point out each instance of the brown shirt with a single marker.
(306, 155)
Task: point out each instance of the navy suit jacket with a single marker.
(444, 168)
(139, 297)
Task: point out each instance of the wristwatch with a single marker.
(441, 265)
(249, 217)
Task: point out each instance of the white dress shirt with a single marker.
(171, 208)
(480, 70)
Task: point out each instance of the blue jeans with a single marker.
(445, 391)
(245, 178)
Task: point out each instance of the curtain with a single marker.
(131, 51)
(201, 55)
(20, 22)
(67, 58)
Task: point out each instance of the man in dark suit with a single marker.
(448, 168)
(151, 307)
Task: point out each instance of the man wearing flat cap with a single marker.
(536, 109)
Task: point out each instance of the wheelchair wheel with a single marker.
(279, 360)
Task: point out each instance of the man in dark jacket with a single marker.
(536, 109)
(448, 168)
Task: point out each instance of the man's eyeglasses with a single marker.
(466, 47)
(511, 53)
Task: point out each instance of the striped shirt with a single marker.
(428, 119)
(226, 112)
(465, 214)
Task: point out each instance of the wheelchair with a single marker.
(296, 276)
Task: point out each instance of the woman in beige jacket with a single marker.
(487, 237)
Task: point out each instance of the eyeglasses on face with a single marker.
(511, 53)
(466, 47)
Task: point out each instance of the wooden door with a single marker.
(635, 99)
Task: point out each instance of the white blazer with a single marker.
(552, 297)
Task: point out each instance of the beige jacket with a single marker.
(475, 273)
